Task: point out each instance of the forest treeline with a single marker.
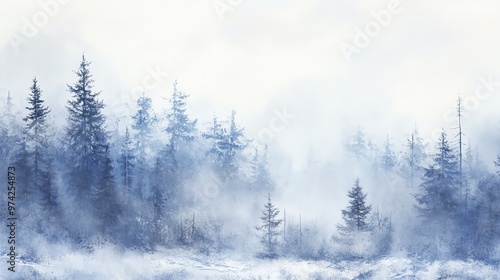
(86, 185)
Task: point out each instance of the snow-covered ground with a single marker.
(108, 263)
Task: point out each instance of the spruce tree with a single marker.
(440, 195)
(260, 176)
(356, 214)
(269, 229)
(37, 148)
(415, 155)
(359, 146)
(88, 149)
(143, 124)
(126, 163)
(233, 143)
(180, 128)
(215, 134)
(389, 157)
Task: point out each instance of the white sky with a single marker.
(266, 55)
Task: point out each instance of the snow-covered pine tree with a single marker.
(356, 214)
(270, 229)
(39, 157)
(88, 148)
(180, 128)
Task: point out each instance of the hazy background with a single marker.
(260, 57)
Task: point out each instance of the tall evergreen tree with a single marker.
(180, 128)
(415, 156)
(261, 178)
(270, 229)
(356, 214)
(440, 193)
(233, 143)
(359, 146)
(126, 162)
(88, 148)
(215, 134)
(143, 123)
(37, 147)
(388, 157)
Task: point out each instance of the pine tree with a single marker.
(440, 204)
(415, 156)
(126, 162)
(88, 148)
(144, 121)
(215, 134)
(37, 147)
(356, 214)
(269, 229)
(180, 128)
(440, 193)
(261, 178)
(359, 145)
(233, 143)
(389, 157)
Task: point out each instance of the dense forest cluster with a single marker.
(86, 185)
